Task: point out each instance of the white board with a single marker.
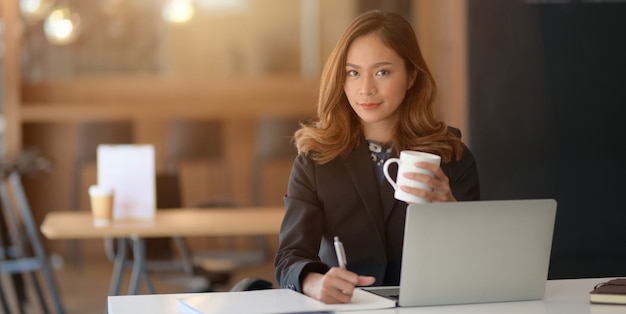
(130, 170)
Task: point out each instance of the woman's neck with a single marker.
(378, 132)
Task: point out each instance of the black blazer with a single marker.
(342, 198)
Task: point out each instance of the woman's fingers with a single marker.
(439, 183)
(336, 286)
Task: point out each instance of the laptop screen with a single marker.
(475, 252)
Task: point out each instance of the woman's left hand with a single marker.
(439, 182)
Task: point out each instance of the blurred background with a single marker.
(536, 86)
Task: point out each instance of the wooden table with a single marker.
(181, 222)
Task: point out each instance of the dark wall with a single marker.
(548, 120)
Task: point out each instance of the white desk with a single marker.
(570, 296)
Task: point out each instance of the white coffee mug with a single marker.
(406, 163)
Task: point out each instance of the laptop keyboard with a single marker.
(391, 293)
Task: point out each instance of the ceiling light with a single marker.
(178, 11)
(35, 10)
(61, 27)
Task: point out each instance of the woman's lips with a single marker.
(369, 105)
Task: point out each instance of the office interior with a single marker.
(535, 86)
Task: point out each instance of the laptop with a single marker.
(474, 252)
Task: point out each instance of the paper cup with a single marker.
(101, 204)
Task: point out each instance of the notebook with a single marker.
(274, 301)
(475, 252)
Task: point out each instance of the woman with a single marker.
(376, 98)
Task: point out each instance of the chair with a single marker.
(199, 141)
(251, 284)
(272, 144)
(172, 261)
(90, 135)
(24, 253)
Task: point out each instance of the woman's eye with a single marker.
(353, 73)
(382, 72)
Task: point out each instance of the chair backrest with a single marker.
(168, 195)
(199, 140)
(273, 138)
(93, 133)
(194, 139)
(273, 142)
(90, 135)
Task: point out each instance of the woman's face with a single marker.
(376, 82)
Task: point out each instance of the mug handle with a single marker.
(386, 171)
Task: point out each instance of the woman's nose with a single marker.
(367, 86)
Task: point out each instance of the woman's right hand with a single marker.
(336, 286)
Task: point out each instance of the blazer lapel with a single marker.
(359, 167)
(388, 200)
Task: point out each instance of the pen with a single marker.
(341, 254)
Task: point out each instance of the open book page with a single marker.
(274, 301)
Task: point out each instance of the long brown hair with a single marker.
(337, 131)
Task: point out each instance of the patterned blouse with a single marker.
(380, 153)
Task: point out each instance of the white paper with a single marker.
(275, 301)
(364, 300)
(130, 170)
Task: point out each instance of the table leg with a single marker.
(139, 267)
(118, 267)
(148, 282)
